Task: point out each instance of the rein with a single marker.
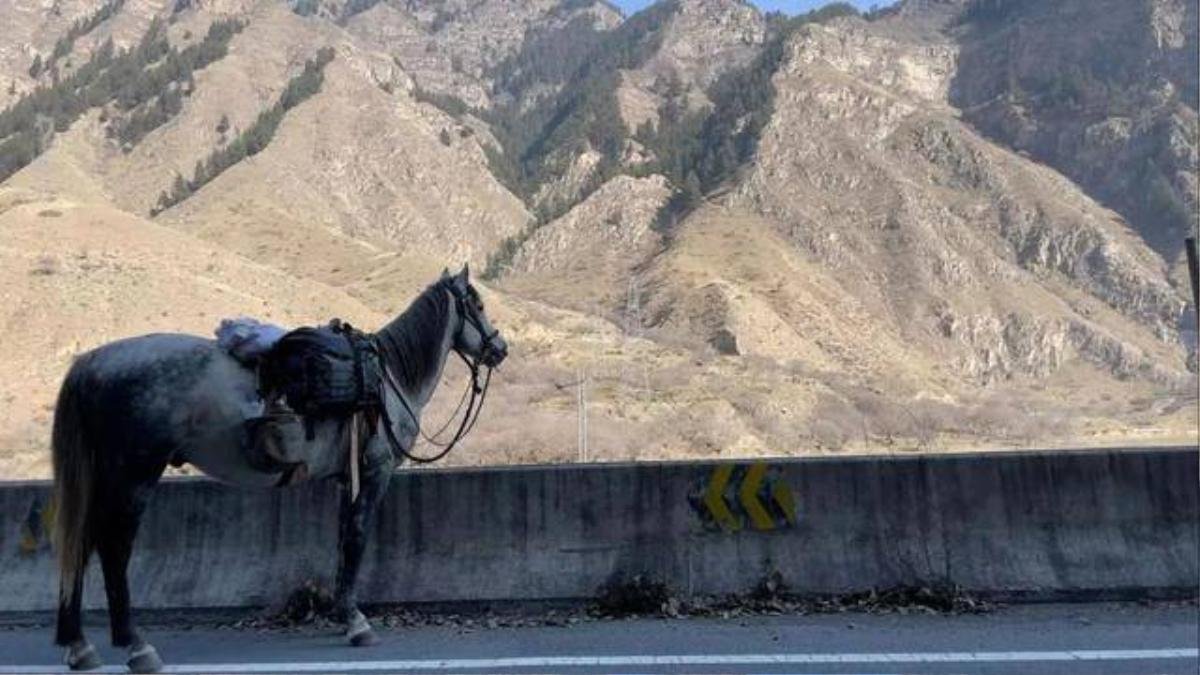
(477, 393)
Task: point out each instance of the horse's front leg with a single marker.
(354, 521)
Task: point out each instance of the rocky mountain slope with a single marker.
(950, 224)
(875, 235)
(955, 243)
(1105, 92)
(362, 158)
(453, 48)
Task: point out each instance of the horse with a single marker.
(129, 408)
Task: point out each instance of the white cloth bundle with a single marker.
(247, 339)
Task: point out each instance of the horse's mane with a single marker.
(411, 344)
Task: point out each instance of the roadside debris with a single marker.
(771, 596)
(311, 607)
(637, 596)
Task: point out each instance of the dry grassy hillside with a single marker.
(74, 275)
(362, 157)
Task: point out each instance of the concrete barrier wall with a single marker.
(1037, 524)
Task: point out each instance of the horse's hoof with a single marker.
(366, 638)
(144, 659)
(359, 631)
(83, 657)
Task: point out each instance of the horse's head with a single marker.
(475, 339)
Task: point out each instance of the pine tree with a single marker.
(61, 48)
(691, 188)
(162, 204)
(199, 175)
(179, 190)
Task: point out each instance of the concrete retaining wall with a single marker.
(1037, 524)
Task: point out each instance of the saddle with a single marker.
(330, 371)
(308, 375)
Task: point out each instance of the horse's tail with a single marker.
(74, 477)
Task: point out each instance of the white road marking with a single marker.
(644, 661)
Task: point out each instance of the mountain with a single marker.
(948, 224)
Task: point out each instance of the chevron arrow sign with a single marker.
(736, 497)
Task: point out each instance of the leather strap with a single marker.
(354, 468)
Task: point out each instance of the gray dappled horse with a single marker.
(129, 408)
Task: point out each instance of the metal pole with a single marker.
(1193, 257)
(583, 411)
(1194, 271)
(579, 413)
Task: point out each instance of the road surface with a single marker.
(1096, 638)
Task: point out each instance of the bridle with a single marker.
(476, 391)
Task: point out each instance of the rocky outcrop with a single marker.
(1036, 346)
(615, 222)
(702, 40)
(568, 188)
(1105, 91)
(450, 47)
(706, 38)
(586, 258)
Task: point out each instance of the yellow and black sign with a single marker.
(36, 528)
(740, 496)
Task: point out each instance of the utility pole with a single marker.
(631, 329)
(581, 400)
(1193, 257)
(1193, 262)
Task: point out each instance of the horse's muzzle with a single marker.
(495, 352)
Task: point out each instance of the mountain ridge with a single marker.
(752, 234)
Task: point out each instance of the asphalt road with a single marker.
(1098, 638)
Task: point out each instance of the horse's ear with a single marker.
(466, 272)
(445, 272)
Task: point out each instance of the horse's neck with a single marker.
(423, 391)
(418, 393)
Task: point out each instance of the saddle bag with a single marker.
(330, 371)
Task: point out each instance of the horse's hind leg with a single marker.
(81, 655)
(118, 527)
